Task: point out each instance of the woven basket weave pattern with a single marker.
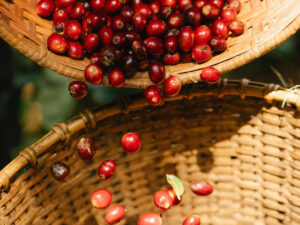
(248, 149)
(268, 24)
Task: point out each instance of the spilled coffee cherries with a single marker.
(121, 37)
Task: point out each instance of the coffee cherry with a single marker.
(155, 7)
(130, 36)
(171, 3)
(106, 35)
(228, 15)
(220, 28)
(203, 34)
(153, 95)
(210, 11)
(155, 47)
(60, 14)
(114, 214)
(45, 8)
(96, 20)
(202, 188)
(201, 52)
(59, 171)
(118, 40)
(162, 200)
(172, 32)
(210, 75)
(139, 22)
(157, 72)
(77, 11)
(186, 39)
(143, 9)
(150, 219)
(172, 194)
(112, 7)
(171, 44)
(128, 65)
(57, 43)
(236, 27)
(199, 4)
(118, 23)
(176, 20)
(139, 50)
(127, 12)
(165, 12)
(59, 26)
(233, 4)
(62, 4)
(192, 220)
(75, 49)
(101, 199)
(156, 28)
(182, 3)
(116, 78)
(172, 86)
(107, 56)
(106, 169)
(218, 3)
(93, 74)
(73, 30)
(86, 149)
(95, 58)
(172, 58)
(218, 44)
(97, 5)
(78, 89)
(193, 16)
(131, 142)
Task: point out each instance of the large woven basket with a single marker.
(268, 24)
(236, 135)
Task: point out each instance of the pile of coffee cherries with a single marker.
(122, 36)
(102, 198)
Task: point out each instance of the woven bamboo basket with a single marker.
(268, 24)
(234, 134)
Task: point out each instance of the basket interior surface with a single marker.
(268, 23)
(249, 150)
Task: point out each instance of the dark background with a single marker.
(33, 99)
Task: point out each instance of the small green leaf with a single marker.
(176, 184)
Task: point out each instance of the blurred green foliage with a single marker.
(43, 97)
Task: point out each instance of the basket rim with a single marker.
(61, 133)
(188, 76)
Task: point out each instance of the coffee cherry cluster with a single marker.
(122, 36)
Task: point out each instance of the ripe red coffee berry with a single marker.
(171, 3)
(182, 3)
(156, 28)
(153, 95)
(118, 23)
(114, 214)
(236, 27)
(193, 16)
(210, 75)
(77, 11)
(218, 3)
(155, 47)
(172, 194)
(57, 43)
(106, 35)
(106, 169)
(162, 200)
(228, 15)
(96, 20)
(101, 199)
(171, 44)
(59, 26)
(127, 12)
(131, 142)
(86, 149)
(157, 72)
(171, 58)
(143, 9)
(210, 11)
(172, 86)
(45, 8)
(91, 42)
(59, 171)
(150, 219)
(95, 58)
(60, 14)
(73, 30)
(155, 7)
(176, 20)
(118, 40)
(201, 52)
(218, 44)
(112, 7)
(192, 220)
(78, 89)
(220, 28)
(97, 5)
(199, 3)
(233, 4)
(93, 74)
(202, 188)
(116, 78)
(203, 34)
(61, 4)
(186, 39)
(139, 22)
(75, 49)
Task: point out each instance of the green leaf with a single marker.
(176, 184)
